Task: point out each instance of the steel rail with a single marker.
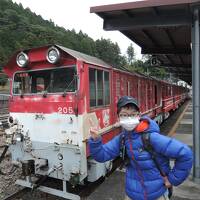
(17, 194)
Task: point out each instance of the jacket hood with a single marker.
(153, 126)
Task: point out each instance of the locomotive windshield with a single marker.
(49, 81)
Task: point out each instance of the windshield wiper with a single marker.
(44, 93)
(21, 94)
(70, 83)
(50, 84)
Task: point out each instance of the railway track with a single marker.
(83, 192)
(18, 194)
(4, 110)
(4, 117)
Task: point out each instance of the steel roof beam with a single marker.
(163, 50)
(128, 23)
(186, 67)
(140, 4)
(175, 70)
(177, 65)
(131, 37)
(171, 61)
(156, 44)
(181, 74)
(145, 32)
(128, 13)
(172, 42)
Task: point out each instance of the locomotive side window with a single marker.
(50, 81)
(128, 88)
(118, 87)
(92, 77)
(156, 94)
(106, 88)
(99, 85)
(99, 88)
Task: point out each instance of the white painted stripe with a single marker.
(188, 113)
(186, 121)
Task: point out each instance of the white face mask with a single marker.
(129, 123)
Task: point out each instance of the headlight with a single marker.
(10, 120)
(22, 59)
(60, 156)
(53, 55)
(19, 137)
(1, 126)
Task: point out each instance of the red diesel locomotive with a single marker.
(55, 92)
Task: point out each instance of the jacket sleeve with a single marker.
(104, 152)
(177, 150)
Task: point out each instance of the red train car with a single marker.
(55, 92)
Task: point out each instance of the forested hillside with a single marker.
(20, 29)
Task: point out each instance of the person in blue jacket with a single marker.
(143, 179)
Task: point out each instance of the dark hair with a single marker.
(128, 106)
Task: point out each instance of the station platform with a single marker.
(189, 190)
(113, 187)
(183, 126)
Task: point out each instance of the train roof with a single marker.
(96, 61)
(84, 57)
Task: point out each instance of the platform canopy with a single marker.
(160, 27)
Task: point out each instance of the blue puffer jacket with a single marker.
(143, 179)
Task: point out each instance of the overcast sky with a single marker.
(75, 14)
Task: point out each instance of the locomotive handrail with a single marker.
(4, 112)
(105, 130)
(61, 145)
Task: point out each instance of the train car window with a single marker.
(149, 94)
(146, 96)
(99, 85)
(51, 81)
(92, 77)
(171, 92)
(118, 88)
(106, 88)
(156, 94)
(168, 91)
(128, 88)
(99, 88)
(138, 91)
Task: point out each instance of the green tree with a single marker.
(3, 79)
(130, 53)
(109, 52)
